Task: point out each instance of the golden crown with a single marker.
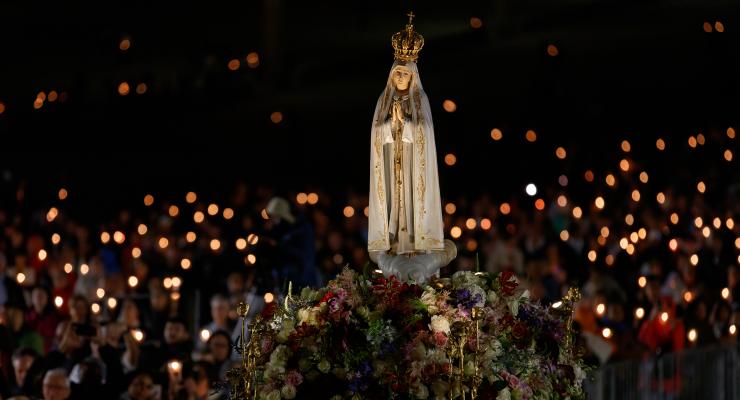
(407, 43)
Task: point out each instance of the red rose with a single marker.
(508, 283)
(520, 333)
(326, 297)
(440, 339)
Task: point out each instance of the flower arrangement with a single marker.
(472, 335)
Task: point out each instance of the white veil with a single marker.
(424, 193)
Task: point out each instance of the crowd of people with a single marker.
(144, 306)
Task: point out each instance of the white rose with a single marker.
(504, 394)
(429, 299)
(440, 324)
(274, 395)
(288, 392)
(492, 297)
(513, 307)
(303, 314)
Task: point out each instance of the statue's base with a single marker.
(417, 268)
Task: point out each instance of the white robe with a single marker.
(419, 199)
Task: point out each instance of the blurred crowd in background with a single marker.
(143, 306)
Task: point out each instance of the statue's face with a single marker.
(401, 78)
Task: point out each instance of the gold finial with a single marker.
(407, 43)
(289, 297)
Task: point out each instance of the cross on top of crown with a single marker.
(411, 16)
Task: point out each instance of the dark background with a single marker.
(635, 70)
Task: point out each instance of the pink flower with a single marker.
(294, 378)
(440, 339)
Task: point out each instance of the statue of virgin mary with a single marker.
(405, 211)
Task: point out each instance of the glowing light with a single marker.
(205, 334)
(173, 211)
(600, 309)
(276, 117)
(688, 296)
(701, 187)
(589, 176)
(124, 89)
(505, 208)
(531, 136)
(629, 219)
(717, 223)
(119, 237)
(475, 23)
(136, 252)
(674, 218)
(642, 281)
(348, 211)
(455, 232)
(148, 200)
(190, 197)
(163, 243)
(694, 260)
(564, 235)
(673, 244)
(730, 223)
(100, 293)
(725, 293)
(124, 45)
(449, 106)
(142, 229)
(496, 134)
(95, 308)
(698, 222)
(737, 243)
(215, 244)
(639, 313)
(167, 283)
(728, 155)
(141, 88)
(450, 159)
(606, 333)
(660, 197)
(624, 165)
(251, 258)
(252, 239)
(138, 335)
(731, 132)
(190, 237)
(733, 329)
(313, 198)
(692, 142)
(599, 202)
(592, 255)
(700, 139)
(485, 224)
(62, 194)
(84, 269)
(269, 297)
(20, 277)
(450, 208)
(562, 201)
(2, 107)
(38, 103)
(42, 254)
(212, 209)
(253, 60)
(577, 212)
(635, 195)
(531, 189)
(660, 144)
(557, 304)
(105, 237)
(610, 180)
(609, 260)
(228, 213)
(52, 214)
(366, 211)
(241, 243)
(707, 27)
(642, 233)
(185, 264)
(539, 204)
(630, 249)
(198, 217)
(664, 317)
(68, 268)
(175, 296)
(623, 243)
(470, 223)
(176, 282)
(560, 153)
(552, 50)
(112, 302)
(692, 335)
(644, 177)
(133, 281)
(626, 147)
(233, 64)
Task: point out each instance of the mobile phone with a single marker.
(86, 330)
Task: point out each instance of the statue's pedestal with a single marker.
(418, 268)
